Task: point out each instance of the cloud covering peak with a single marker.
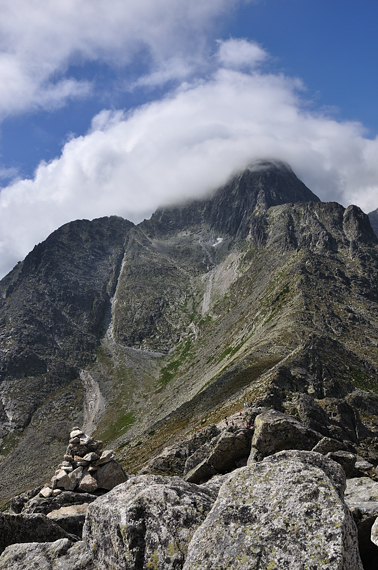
(225, 109)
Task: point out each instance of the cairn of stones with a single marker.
(86, 468)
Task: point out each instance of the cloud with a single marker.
(185, 145)
(40, 40)
(240, 53)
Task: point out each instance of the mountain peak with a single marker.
(261, 185)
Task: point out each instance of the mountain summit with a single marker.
(233, 208)
(141, 334)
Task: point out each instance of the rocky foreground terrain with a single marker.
(148, 336)
(259, 490)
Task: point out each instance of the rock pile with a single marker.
(86, 468)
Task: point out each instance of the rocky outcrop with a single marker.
(275, 431)
(257, 520)
(146, 522)
(286, 510)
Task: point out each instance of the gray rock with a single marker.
(34, 555)
(70, 518)
(258, 521)
(146, 522)
(229, 448)
(110, 475)
(88, 483)
(311, 459)
(29, 528)
(17, 503)
(42, 505)
(361, 496)
(345, 459)
(312, 414)
(275, 431)
(374, 532)
(328, 445)
(106, 456)
(362, 493)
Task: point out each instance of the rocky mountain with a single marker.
(142, 334)
(373, 217)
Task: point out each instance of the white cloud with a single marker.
(185, 145)
(240, 53)
(40, 39)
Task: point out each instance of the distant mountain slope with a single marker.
(259, 291)
(373, 217)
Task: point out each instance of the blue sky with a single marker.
(118, 107)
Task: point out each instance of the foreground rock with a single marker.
(29, 528)
(147, 522)
(259, 522)
(361, 496)
(61, 554)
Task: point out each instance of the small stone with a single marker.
(93, 469)
(88, 484)
(106, 456)
(75, 477)
(92, 456)
(74, 441)
(76, 433)
(46, 492)
(56, 492)
(67, 457)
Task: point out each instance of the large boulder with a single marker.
(230, 447)
(29, 528)
(284, 512)
(275, 432)
(61, 554)
(146, 522)
(172, 460)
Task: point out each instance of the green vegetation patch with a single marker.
(363, 381)
(170, 370)
(118, 426)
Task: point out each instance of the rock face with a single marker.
(258, 522)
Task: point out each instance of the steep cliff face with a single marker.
(259, 291)
(373, 217)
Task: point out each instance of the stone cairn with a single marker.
(85, 468)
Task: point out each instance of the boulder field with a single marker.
(259, 490)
